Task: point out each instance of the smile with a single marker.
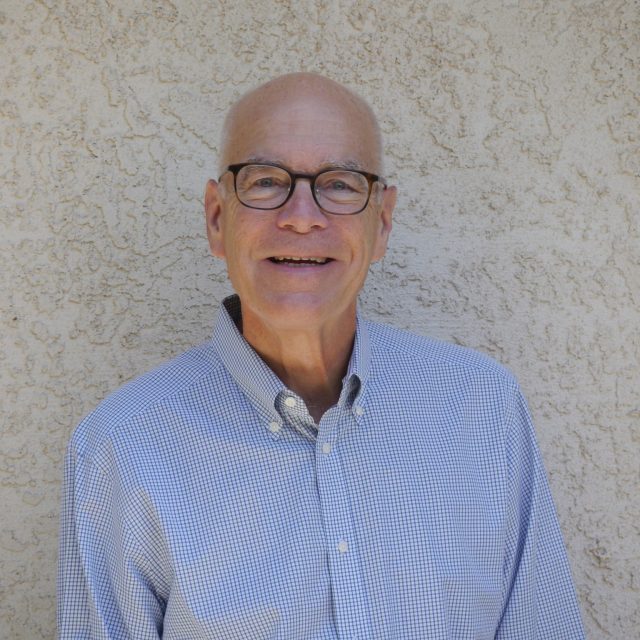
(291, 260)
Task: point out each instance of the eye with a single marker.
(264, 182)
(261, 179)
(339, 185)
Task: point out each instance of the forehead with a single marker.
(303, 131)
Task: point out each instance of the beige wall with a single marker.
(512, 130)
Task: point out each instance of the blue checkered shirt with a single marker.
(202, 501)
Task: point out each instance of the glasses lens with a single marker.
(342, 191)
(262, 187)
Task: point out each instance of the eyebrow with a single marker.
(327, 164)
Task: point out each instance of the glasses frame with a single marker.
(372, 178)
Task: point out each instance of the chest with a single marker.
(364, 532)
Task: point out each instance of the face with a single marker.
(305, 133)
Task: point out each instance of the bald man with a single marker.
(308, 473)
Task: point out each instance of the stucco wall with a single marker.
(512, 130)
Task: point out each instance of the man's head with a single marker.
(304, 123)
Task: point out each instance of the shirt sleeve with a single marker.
(540, 600)
(107, 584)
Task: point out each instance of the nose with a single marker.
(301, 213)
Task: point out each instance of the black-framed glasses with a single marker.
(338, 191)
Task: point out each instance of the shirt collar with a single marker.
(248, 370)
(358, 370)
(258, 382)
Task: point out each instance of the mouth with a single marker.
(294, 261)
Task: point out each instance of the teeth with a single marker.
(300, 260)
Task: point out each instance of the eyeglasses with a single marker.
(342, 192)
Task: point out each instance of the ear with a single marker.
(213, 217)
(385, 215)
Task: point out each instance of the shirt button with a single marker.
(290, 402)
(343, 546)
(359, 411)
(326, 447)
(274, 427)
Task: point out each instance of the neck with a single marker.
(311, 361)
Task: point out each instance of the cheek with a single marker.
(243, 244)
(236, 234)
(371, 234)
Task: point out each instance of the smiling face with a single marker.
(296, 267)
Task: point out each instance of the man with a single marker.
(307, 473)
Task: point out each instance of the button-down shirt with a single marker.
(202, 501)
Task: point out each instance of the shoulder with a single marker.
(144, 395)
(459, 389)
(405, 352)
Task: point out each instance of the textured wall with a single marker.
(513, 133)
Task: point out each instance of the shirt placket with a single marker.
(351, 605)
